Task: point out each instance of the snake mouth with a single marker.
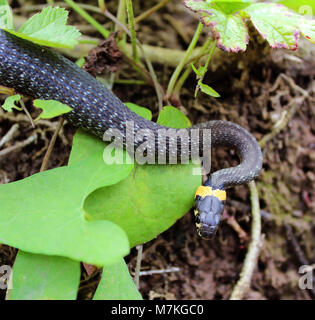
(207, 232)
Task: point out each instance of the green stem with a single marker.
(102, 5)
(105, 33)
(121, 16)
(88, 42)
(151, 10)
(203, 50)
(213, 46)
(131, 81)
(179, 68)
(131, 22)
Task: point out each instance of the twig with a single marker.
(284, 120)
(232, 222)
(288, 114)
(132, 30)
(9, 135)
(157, 86)
(21, 102)
(51, 145)
(180, 66)
(151, 272)
(138, 265)
(145, 14)
(105, 33)
(254, 248)
(18, 145)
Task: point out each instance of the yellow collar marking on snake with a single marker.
(204, 191)
(220, 194)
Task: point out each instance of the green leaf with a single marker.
(50, 220)
(116, 284)
(51, 108)
(9, 103)
(148, 202)
(152, 197)
(277, 24)
(208, 90)
(48, 28)
(40, 277)
(228, 27)
(200, 71)
(6, 17)
(225, 6)
(172, 117)
(141, 111)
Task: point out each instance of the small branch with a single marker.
(51, 145)
(287, 114)
(138, 264)
(157, 86)
(22, 104)
(9, 135)
(145, 14)
(187, 55)
(105, 33)
(254, 248)
(132, 30)
(162, 271)
(232, 222)
(18, 145)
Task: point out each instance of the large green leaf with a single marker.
(116, 284)
(275, 23)
(152, 197)
(39, 277)
(229, 28)
(50, 219)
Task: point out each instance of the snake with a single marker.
(41, 73)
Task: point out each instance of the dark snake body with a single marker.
(40, 73)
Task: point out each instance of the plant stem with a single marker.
(213, 46)
(105, 33)
(51, 145)
(121, 16)
(94, 42)
(102, 5)
(132, 30)
(203, 50)
(179, 68)
(145, 14)
(138, 65)
(243, 284)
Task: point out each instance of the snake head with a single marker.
(209, 204)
